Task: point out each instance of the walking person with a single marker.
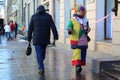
(78, 29)
(39, 30)
(12, 26)
(16, 29)
(7, 31)
(1, 29)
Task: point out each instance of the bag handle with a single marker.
(29, 44)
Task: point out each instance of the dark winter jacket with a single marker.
(40, 25)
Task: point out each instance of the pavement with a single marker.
(16, 65)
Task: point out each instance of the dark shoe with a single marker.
(42, 77)
(80, 77)
(8, 39)
(41, 71)
(78, 69)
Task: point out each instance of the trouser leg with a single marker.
(9, 35)
(6, 34)
(40, 52)
(79, 57)
(76, 60)
(83, 56)
(44, 51)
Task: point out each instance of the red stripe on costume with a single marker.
(73, 42)
(78, 62)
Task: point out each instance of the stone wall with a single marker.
(91, 15)
(62, 21)
(116, 35)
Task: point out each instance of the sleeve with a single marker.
(70, 25)
(54, 30)
(30, 29)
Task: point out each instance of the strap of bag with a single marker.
(29, 45)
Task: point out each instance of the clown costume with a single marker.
(78, 29)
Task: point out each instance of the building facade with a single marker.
(20, 11)
(28, 9)
(105, 30)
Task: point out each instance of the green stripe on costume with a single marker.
(70, 25)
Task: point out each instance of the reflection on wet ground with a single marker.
(15, 65)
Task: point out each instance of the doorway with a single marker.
(108, 21)
(104, 27)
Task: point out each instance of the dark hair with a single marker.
(11, 21)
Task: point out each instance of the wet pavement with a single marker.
(15, 65)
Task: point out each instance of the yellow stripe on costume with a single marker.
(76, 54)
(76, 30)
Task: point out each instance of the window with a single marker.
(74, 2)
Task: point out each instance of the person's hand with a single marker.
(70, 31)
(29, 42)
(29, 49)
(54, 41)
(85, 28)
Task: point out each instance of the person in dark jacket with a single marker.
(16, 29)
(39, 30)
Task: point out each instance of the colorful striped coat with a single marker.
(78, 38)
